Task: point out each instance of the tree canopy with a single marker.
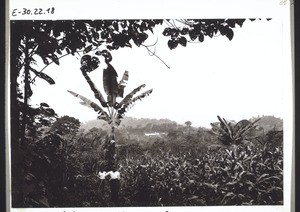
(52, 40)
(46, 42)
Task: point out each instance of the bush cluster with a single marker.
(239, 176)
(186, 168)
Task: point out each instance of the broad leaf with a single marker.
(130, 103)
(246, 128)
(129, 96)
(89, 103)
(122, 84)
(172, 44)
(229, 34)
(182, 41)
(193, 35)
(43, 76)
(97, 93)
(201, 38)
(110, 84)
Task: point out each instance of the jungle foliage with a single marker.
(183, 166)
(54, 164)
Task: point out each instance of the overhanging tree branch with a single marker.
(58, 59)
(154, 54)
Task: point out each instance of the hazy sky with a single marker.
(235, 79)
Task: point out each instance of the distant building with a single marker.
(154, 134)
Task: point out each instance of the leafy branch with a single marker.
(78, 51)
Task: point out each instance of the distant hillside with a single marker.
(145, 125)
(94, 123)
(150, 125)
(269, 122)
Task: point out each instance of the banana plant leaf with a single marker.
(129, 96)
(43, 76)
(130, 103)
(110, 84)
(122, 84)
(97, 93)
(246, 128)
(91, 104)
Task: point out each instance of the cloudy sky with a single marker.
(235, 79)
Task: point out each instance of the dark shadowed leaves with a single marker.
(55, 59)
(182, 41)
(85, 60)
(167, 31)
(139, 38)
(193, 35)
(106, 54)
(89, 63)
(87, 49)
(43, 76)
(201, 38)
(184, 31)
(172, 44)
(229, 34)
(43, 104)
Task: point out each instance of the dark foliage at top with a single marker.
(51, 40)
(197, 30)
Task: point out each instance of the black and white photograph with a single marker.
(149, 112)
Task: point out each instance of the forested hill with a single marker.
(163, 125)
(269, 122)
(150, 125)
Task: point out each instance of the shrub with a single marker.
(240, 176)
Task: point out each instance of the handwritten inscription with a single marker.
(32, 11)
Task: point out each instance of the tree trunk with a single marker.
(112, 166)
(17, 154)
(26, 95)
(14, 103)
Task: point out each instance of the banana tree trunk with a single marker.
(111, 162)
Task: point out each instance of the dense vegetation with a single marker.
(180, 165)
(55, 163)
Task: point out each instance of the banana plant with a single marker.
(110, 109)
(229, 133)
